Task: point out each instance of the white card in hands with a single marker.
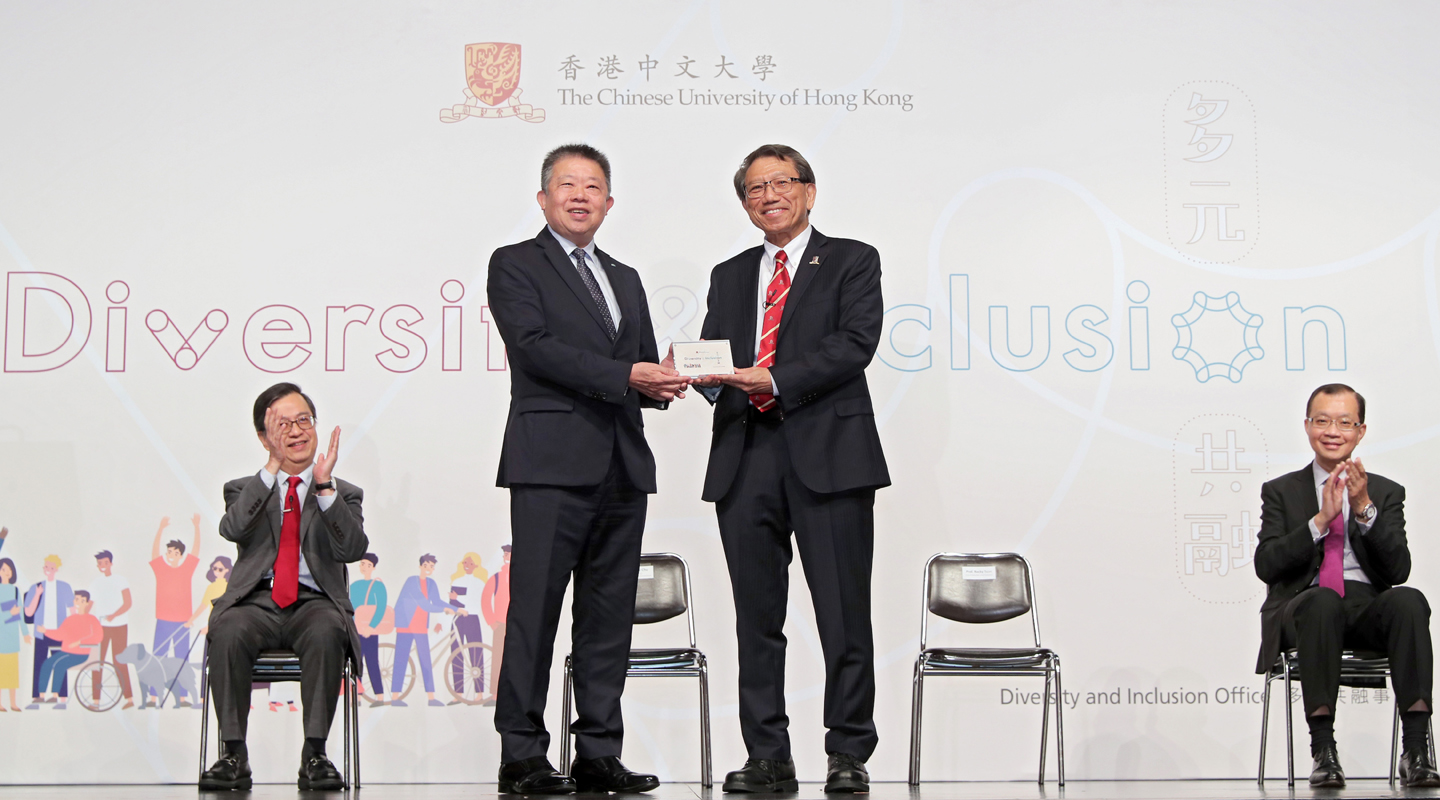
(693, 359)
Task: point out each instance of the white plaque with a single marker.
(693, 359)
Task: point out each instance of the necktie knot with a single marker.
(295, 481)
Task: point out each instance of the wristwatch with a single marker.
(330, 484)
(1366, 515)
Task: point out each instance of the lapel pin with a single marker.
(815, 260)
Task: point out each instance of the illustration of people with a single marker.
(419, 597)
(368, 597)
(495, 604)
(466, 585)
(174, 573)
(219, 577)
(12, 628)
(47, 604)
(110, 595)
(77, 634)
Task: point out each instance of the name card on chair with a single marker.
(977, 573)
(647, 572)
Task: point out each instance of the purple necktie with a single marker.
(1332, 567)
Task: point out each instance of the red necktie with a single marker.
(1332, 567)
(775, 296)
(286, 586)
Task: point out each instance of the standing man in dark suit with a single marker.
(795, 448)
(295, 528)
(577, 329)
(1333, 551)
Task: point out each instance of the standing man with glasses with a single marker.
(295, 527)
(1333, 551)
(795, 448)
(577, 329)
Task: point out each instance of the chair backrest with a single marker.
(664, 590)
(979, 588)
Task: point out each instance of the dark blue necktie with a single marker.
(598, 296)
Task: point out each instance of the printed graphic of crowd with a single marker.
(82, 636)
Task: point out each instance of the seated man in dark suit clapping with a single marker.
(1333, 551)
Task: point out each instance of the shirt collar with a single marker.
(281, 477)
(794, 249)
(569, 246)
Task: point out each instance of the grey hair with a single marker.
(781, 151)
(547, 167)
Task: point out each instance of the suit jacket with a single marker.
(329, 540)
(1288, 557)
(570, 401)
(828, 333)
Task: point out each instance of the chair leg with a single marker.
(705, 777)
(1289, 731)
(1059, 725)
(1044, 722)
(1264, 728)
(345, 676)
(204, 705)
(354, 733)
(565, 718)
(1394, 740)
(917, 703)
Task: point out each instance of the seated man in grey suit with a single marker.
(295, 528)
(1334, 553)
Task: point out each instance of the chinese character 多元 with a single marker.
(724, 66)
(1209, 146)
(1222, 229)
(570, 66)
(1219, 459)
(647, 65)
(684, 65)
(609, 67)
(764, 65)
(1358, 695)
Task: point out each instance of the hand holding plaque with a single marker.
(696, 359)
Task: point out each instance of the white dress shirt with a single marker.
(280, 483)
(794, 251)
(1353, 572)
(596, 268)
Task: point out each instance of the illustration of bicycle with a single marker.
(465, 671)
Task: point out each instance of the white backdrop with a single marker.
(1067, 348)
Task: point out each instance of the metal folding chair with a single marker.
(1358, 668)
(663, 593)
(275, 666)
(982, 588)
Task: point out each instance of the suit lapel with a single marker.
(565, 267)
(810, 263)
(274, 509)
(749, 311)
(1305, 493)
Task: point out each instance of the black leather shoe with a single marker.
(230, 772)
(607, 774)
(1416, 769)
(763, 775)
(846, 773)
(318, 773)
(534, 776)
(1327, 773)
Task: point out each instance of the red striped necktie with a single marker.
(775, 295)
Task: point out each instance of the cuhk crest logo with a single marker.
(492, 77)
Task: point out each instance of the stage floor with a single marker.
(1075, 790)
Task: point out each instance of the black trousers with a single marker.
(836, 537)
(1319, 623)
(313, 627)
(594, 533)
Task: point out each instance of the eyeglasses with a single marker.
(304, 422)
(1345, 425)
(780, 185)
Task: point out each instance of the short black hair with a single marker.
(1336, 388)
(372, 558)
(505, 548)
(784, 152)
(547, 167)
(427, 559)
(105, 554)
(268, 397)
(177, 544)
(82, 593)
